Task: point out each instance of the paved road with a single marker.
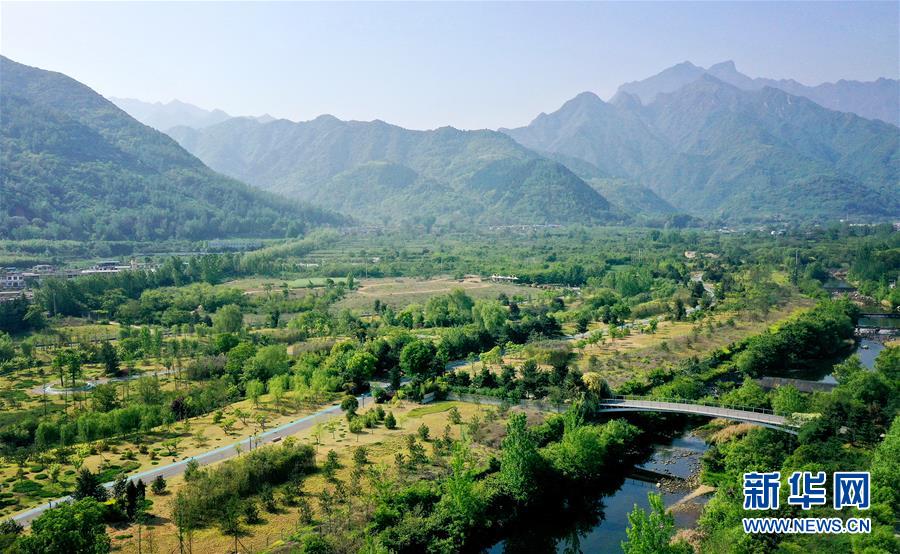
(210, 457)
(50, 388)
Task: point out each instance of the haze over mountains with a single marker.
(878, 99)
(164, 116)
(717, 151)
(686, 141)
(77, 167)
(382, 173)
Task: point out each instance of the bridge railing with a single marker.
(694, 403)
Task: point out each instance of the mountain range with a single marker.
(163, 116)
(708, 143)
(879, 99)
(383, 173)
(714, 150)
(77, 167)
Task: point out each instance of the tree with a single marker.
(7, 349)
(109, 359)
(845, 370)
(454, 416)
(358, 368)
(678, 311)
(251, 512)
(389, 421)
(104, 398)
(267, 362)
(461, 497)
(228, 319)
(520, 460)
(489, 315)
(423, 432)
(276, 389)
(331, 464)
(748, 395)
(360, 456)
(651, 533)
(158, 486)
(356, 426)
(75, 528)
(350, 404)
(788, 400)
(87, 485)
(416, 359)
(255, 389)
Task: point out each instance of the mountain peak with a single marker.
(726, 66)
(585, 100)
(625, 100)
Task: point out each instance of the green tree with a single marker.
(276, 388)
(75, 528)
(845, 370)
(519, 460)
(350, 404)
(104, 398)
(416, 359)
(267, 362)
(228, 319)
(390, 422)
(7, 348)
(678, 311)
(489, 315)
(423, 432)
(748, 395)
(88, 485)
(109, 359)
(158, 486)
(255, 390)
(788, 400)
(651, 533)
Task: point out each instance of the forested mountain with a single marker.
(624, 194)
(714, 150)
(77, 167)
(384, 173)
(175, 113)
(871, 99)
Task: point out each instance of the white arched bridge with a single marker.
(759, 416)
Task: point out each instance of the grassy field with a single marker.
(257, 285)
(381, 444)
(403, 291)
(636, 355)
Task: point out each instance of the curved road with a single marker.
(209, 457)
(49, 388)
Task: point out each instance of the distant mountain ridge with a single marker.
(175, 113)
(77, 167)
(715, 150)
(384, 173)
(878, 99)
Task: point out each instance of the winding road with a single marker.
(50, 388)
(209, 457)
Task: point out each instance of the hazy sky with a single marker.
(422, 65)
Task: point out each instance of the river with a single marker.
(604, 530)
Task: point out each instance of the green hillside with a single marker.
(382, 173)
(77, 167)
(715, 151)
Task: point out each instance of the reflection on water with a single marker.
(599, 525)
(867, 351)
